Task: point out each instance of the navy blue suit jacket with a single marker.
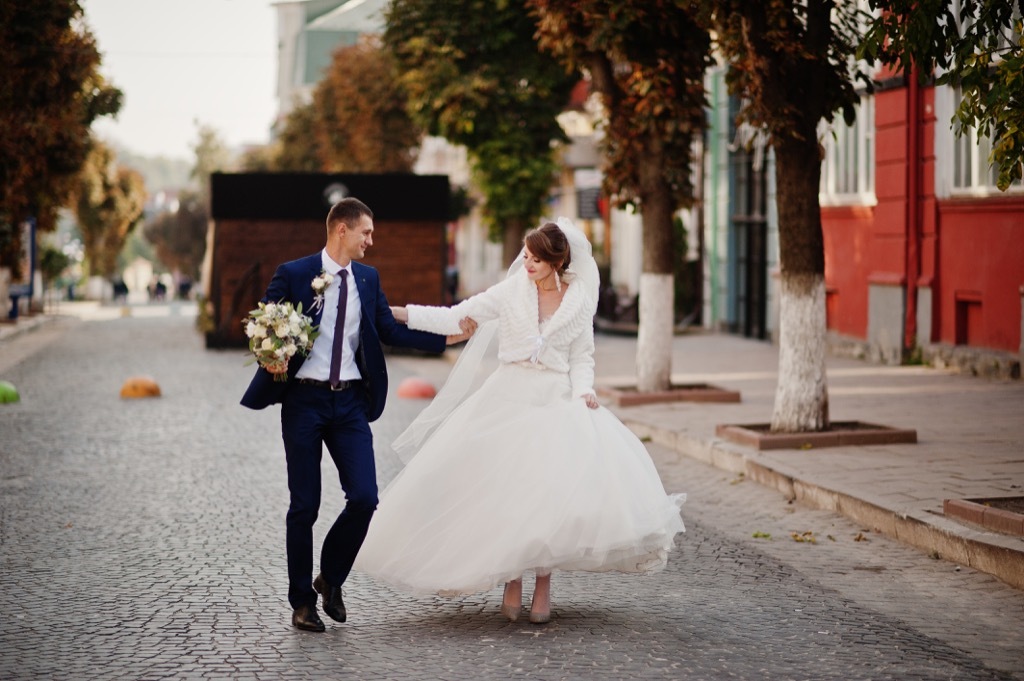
(292, 282)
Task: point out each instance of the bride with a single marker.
(528, 473)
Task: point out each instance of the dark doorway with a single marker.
(749, 226)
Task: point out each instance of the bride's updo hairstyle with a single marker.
(548, 243)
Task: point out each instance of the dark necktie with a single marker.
(339, 330)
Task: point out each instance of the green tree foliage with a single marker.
(646, 59)
(50, 93)
(476, 77)
(108, 202)
(980, 49)
(179, 236)
(791, 64)
(52, 263)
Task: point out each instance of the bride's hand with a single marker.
(400, 314)
(468, 326)
(591, 400)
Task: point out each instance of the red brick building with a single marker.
(260, 220)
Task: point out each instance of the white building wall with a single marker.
(478, 259)
(627, 251)
(291, 19)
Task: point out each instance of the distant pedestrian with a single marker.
(529, 473)
(329, 399)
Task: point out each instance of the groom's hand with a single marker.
(468, 326)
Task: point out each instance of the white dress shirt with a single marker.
(318, 364)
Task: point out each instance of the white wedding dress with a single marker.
(521, 476)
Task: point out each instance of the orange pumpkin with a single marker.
(140, 386)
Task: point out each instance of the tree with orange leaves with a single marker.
(51, 93)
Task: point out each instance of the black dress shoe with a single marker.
(333, 605)
(307, 619)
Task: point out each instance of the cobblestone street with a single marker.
(144, 539)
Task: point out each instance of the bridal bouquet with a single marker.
(277, 332)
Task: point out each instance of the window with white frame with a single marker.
(972, 171)
(848, 169)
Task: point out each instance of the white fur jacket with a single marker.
(565, 343)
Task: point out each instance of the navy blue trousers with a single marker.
(312, 417)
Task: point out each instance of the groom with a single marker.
(330, 398)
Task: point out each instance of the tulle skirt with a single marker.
(521, 477)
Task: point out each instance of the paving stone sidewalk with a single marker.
(144, 540)
(970, 443)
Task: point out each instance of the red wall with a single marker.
(866, 244)
(981, 270)
(969, 251)
(847, 233)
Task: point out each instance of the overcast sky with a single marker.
(179, 61)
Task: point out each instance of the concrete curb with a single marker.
(23, 325)
(937, 536)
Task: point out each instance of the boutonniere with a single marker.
(320, 284)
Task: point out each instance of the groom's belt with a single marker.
(342, 385)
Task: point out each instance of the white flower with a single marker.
(322, 281)
(278, 332)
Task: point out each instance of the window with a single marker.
(972, 172)
(848, 170)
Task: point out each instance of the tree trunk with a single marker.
(654, 339)
(512, 240)
(657, 288)
(801, 398)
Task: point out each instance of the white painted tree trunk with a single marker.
(654, 339)
(801, 398)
